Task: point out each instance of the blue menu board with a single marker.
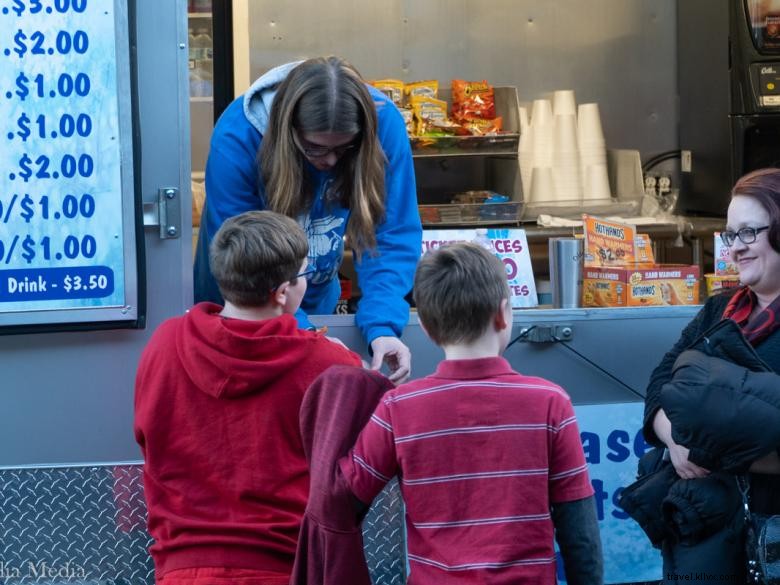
(67, 219)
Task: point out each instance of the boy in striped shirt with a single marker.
(489, 461)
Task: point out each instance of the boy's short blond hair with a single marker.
(458, 289)
(253, 253)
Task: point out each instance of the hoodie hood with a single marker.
(260, 95)
(230, 358)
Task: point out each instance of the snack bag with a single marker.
(472, 99)
(408, 116)
(426, 89)
(608, 243)
(430, 116)
(393, 88)
(483, 127)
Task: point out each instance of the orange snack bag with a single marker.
(472, 99)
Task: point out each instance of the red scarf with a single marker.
(762, 325)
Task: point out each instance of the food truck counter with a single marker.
(602, 355)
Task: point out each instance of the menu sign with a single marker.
(509, 245)
(67, 227)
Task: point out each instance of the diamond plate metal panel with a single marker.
(384, 538)
(87, 525)
(74, 525)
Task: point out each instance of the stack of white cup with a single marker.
(562, 152)
(566, 158)
(538, 154)
(593, 154)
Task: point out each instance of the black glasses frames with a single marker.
(746, 235)
(316, 151)
(310, 269)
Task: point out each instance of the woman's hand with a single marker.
(395, 354)
(677, 453)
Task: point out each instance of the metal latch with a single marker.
(165, 213)
(546, 333)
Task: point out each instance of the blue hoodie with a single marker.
(233, 186)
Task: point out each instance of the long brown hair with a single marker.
(326, 94)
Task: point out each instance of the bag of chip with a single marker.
(483, 126)
(425, 111)
(392, 88)
(428, 89)
(472, 99)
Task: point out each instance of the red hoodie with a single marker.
(216, 415)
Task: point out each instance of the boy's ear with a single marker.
(279, 296)
(500, 321)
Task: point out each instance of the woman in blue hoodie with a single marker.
(312, 141)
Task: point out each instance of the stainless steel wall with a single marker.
(620, 53)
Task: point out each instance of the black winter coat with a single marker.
(723, 401)
(735, 446)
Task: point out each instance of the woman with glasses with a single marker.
(312, 141)
(714, 401)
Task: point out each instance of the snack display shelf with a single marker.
(471, 214)
(505, 143)
(575, 209)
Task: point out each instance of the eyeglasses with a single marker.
(746, 235)
(318, 151)
(310, 269)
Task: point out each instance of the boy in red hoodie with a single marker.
(217, 396)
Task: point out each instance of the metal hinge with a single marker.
(165, 213)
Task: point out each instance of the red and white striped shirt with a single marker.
(481, 452)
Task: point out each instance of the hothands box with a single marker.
(638, 286)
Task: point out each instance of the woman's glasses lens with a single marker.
(746, 235)
(321, 151)
(315, 151)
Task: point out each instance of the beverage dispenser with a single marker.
(729, 96)
(755, 85)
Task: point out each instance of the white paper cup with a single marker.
(542, 188)
(566, 134)
(564, 103)
(541, 113)
(542, 136)
(589, 125)
(596, 183)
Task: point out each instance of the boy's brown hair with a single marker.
(458, 289)
(253, 253)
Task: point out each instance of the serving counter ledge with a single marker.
(598, 356)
